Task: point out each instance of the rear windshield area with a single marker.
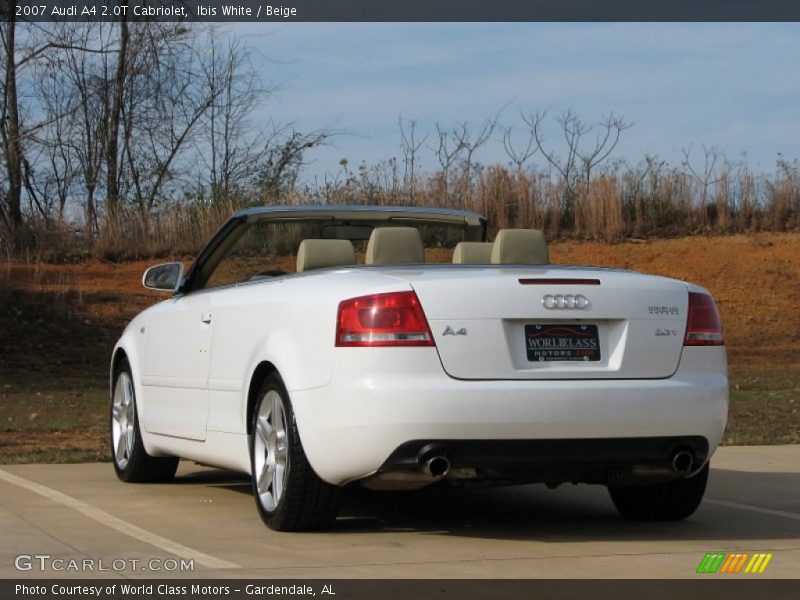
(268, 248)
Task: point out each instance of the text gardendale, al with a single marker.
(233, 10)
(147, 590)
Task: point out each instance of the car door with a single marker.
(176, 367)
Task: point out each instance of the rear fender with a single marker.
(287, 357)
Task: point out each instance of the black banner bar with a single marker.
(711, 588)
(401, 10)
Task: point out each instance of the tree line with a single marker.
(135, 139)
(101, 119)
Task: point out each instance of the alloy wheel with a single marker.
(270, 450)
(123, 419)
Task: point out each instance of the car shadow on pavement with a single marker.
(577, 513)
(214, 477)
(569, 513)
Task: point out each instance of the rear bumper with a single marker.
(381, 399)
(611, 461)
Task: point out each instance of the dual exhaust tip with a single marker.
(437, 465)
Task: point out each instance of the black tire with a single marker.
(137, 466)
(669, 501)
(306, 503)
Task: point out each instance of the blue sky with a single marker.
(736, 86)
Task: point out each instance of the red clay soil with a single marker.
(755, 280)
(71, 441)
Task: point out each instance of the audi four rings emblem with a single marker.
(567, 301)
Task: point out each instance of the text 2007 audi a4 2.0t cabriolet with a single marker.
(315, 347)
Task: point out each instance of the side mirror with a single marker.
(165, 277)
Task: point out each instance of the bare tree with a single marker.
(57, 167)
(470, 144)
(448, 149)
(107, 116)
(79, 90)
(164, 100)
(411, 145)
(228, 144)
(581, 158)
(16, 135)
(609, 131)
(37, 153)
(118, 86)
(519, 156)
(282, 157)
(705, 175)
(10, 129)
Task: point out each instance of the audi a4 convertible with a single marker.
(396, 347)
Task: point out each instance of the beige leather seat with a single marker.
(520, 247)
(395, 246)
(473, 253)
(318, 254)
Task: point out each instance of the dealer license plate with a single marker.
(557, 342)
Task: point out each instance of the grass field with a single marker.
(58, 324)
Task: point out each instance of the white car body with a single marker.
(195, 357)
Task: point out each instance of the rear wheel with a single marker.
(669, 501)
(289, 494)
(132, 463)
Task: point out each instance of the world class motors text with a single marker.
(166, 589)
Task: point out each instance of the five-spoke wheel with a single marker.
(132, 463)
(123, 418)
(290, 496)
(271, 450)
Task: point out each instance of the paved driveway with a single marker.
(208, 516)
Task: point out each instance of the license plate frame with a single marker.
(562, 342)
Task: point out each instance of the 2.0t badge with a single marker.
(567, 302)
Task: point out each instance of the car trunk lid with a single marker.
(553, 323)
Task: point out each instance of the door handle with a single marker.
(206, 317)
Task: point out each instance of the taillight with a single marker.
(703, 325)
(393, 319)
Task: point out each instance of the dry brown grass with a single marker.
(640, 202)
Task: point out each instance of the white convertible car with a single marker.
(316, 347)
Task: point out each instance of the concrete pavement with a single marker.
(83, 513)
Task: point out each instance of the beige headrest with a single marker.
(318, 254)
(395, 246)
(520, 247)
(473, 253)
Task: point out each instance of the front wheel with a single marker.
(669, 501)
(132, 463)
(289, 495)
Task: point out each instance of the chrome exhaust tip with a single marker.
(682, 461)
(437, 466)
